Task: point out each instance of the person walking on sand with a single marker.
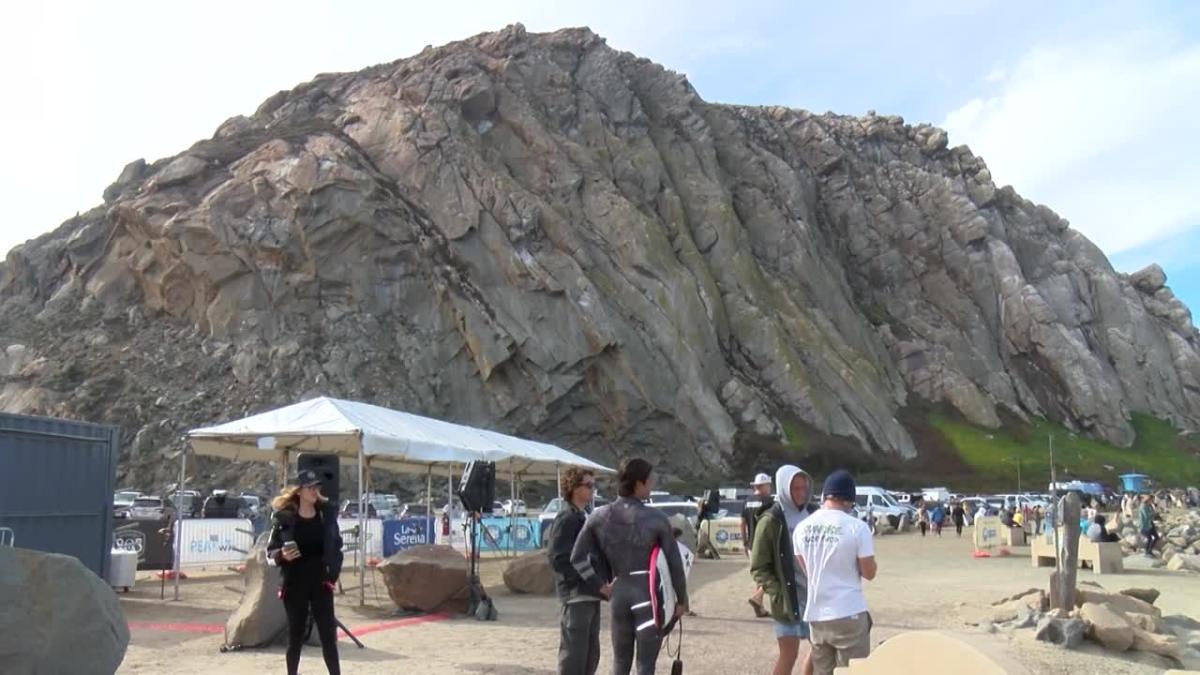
(579, 625)
(959, 516)
(307, 546)
(938, 517)
(773, 565)
(1146, 516)
(837, 552)
(616, 543)
(759, 503)
(923, 519)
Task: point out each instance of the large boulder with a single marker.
(1107, 627)
(259, 619)
(56, 616)
(530, 573)
(428, 578)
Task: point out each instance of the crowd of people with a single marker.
(807, 562)
(808, 559)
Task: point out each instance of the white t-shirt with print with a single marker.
(831, 542)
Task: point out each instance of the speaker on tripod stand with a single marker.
(477, 492)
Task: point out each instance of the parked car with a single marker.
(148, 508)
(186, 503)
(512, 507)
(122, 501)
(690, 510)
(251, 501)
(546, 517)
(414, 510)
(350, 510)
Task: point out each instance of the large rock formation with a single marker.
(541, 234)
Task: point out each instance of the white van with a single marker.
(881, 503)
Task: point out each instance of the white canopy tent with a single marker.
(376, 437)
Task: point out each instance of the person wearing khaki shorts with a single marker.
(835, 642)
(837, 552)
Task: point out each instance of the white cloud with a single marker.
(1104, 132)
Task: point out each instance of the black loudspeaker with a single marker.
(477, 490)
(326, 467)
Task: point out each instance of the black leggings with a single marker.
(296, 600)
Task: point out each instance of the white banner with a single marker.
(373, 539)
(213, 541)
(987, 532)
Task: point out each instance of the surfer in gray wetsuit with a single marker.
(615, 544)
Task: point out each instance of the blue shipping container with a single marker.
(56, 486)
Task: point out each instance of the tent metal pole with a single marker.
(281, 470)
(512, 512)
(179, 515)
(362, 532)
(428, 496)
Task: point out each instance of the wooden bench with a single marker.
(1104, 558)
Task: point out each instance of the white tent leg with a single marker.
(362, 534)
(179, 515)
(429, 501)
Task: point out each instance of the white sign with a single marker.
(987, 532)
(212, 541)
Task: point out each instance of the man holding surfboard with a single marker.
(631, 544)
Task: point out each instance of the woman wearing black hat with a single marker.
(307, 546)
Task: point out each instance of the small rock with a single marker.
(1066, 633)
(1018, 596)
(1144, 594)
(1163, 645)
(1027, 617)
(1184, 561)
(1146, 622)
(1116, 601)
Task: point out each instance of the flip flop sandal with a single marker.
(759, 612)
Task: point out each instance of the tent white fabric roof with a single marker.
(389, 439)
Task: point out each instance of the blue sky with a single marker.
(1088, 107)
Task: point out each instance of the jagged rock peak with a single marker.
(541, 234)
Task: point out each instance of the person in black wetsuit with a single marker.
(307, 546)
(615, 544)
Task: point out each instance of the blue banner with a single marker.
(510, 534)
(405, 533)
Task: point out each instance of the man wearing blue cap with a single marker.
(837, 552)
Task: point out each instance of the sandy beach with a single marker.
(923, 583)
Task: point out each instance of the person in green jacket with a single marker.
(1146, 516)
(773, 565)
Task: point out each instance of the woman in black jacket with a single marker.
(307, 546)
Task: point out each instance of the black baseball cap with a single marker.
(308, 478)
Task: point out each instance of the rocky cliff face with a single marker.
(540, 234)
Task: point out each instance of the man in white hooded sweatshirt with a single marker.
(773, 565)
